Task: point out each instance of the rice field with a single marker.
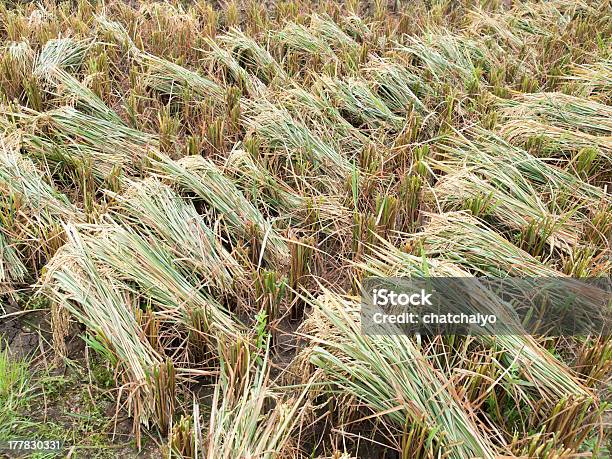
(192, 192)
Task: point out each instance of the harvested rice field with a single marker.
(193, 195)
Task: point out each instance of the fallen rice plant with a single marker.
(447, 57)
(32, 211)
(520, 210)
(67, 88)
(163, 76)
(596, 78)
(398, 87)
(21, 179)
(556, 141)
(257, 58)
(12, 270)
(236, 74)
(319, 111)
(561, 110)
(207, 181)
(108, 309)
(278, 130)
(356, 99)
(390, 375)
(459, 238)
(157, 211)
(240, 425)
(476, 181)
(67, 135)
(62, 53)
(299, 38)
(326, 28)
(260, 184)
(485, 147)
(443, 258)
(170, 286)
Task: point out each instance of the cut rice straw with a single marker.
(446, 254)
(242, 426)
(108, 309)
(202, 177)
(560, 110)
(156, 211)
(390, 375)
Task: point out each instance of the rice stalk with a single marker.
(596, 78)
(390, 375)
(324, 26)
(78, 95)
(320, 112)
(115, 31)
(240, 423)
(516, 208)
(446, 55)
(546, 19)
(360, 103)
(299, 38)
(256, 58)
(170, 79)
(494, 25)
(357, 27)
(156, 211)
(513, 198)
(256, 180)
(108, 309)
(24, 183)
(467, 242)
(202, 177)
(468, 54)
